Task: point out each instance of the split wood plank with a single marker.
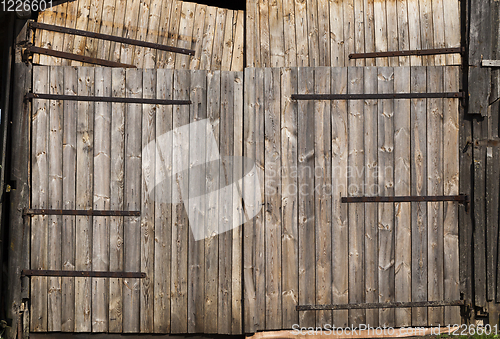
(186, 25)
(101, 199)
(359, 30)
(117, 185)
(148, 157)
(380, 21)
(264, 34)
(306, 135)
(435, 153)
(302, 34)
(252, 28)
(426, 30)
(312, 29)
(227, 45)
(289, 43)
(289, 244)
(402, 211)
(369, 29)
(238, 211)
(337, 45)
(69, 197)
(415, 42)
(212, 185)
(132, 202)
(322, 197)
(163, 209)
(392, 30)
(197, 36)
(153, 32)
(144, 18)
(272, 202)
(403, 32)
(386, 245)
(173, 32)
(371, 189)
(84, 200)
(254, 241)
(82, 20)
(130, 30)
(218, 44)
(161, 56)
(451, 177)
(277, 33)
(439, 29)
(55, 194)
(340, 153)
(349, 32)
(180, 227)
(197, 183)
(208, 38)
(226, 147)
(238, 43)
(356, 214)
(418, 170)
(39, 198)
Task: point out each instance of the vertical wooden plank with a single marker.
(386, 184)
(132, 202)
(340, 152)
(355, 180)
(402, 211)
(147, 202)
(130, 30)
(161, 56)
(392, 30)
(276, 33)
(306, 135)
(238, 43)
(225, 205)
(359, 30)
(173, 32)
(208, 38)
(186, 24)
(82, 19)
(290, 47)
(426, 30)
(324, 32)
(212, 185)
(163, 207)
(452, 29)
(55, 199)
(39, 198)
(435, 187)
(252, 29)
(369, 20)
(349, 31)
(93, 25)
(418, 170)
(69, 39)
(58, 40)
(84, 199)
(218, 39)
(180, 229)
(371, 188)
(197, 183)
(451, 187)
(46, 37)
(337, 46)
(117, 200)
(264, 34)
(117, 30)
(101, 199)
(313, 35)
(322, 197)
(143, 17)
(302, 34)
(380, 31)
(272, 197)
(439, 29)
(108, 13)
(227, 46)
(289, 244)
(403, 30)
(153, 32)
(414, 31)
(69, 180)
(254, 241)
(197, 39)
(238, 212)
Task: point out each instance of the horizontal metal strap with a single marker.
(433, 51)
(76, 57)
(106, 99)
(377, 96)
(396, 304)
(96, 213)
(92, 274)
(61, 29)
(463, 198)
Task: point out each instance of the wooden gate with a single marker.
(305, 247)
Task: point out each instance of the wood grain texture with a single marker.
(359, 30)
(301, 34)
(340, 153)
(349, 31)
(166, 7)
(108, 13)
(153, 32)
(369, 28)
(218, 41)
(439, 29)
(82, 19)
(392, 30)
(403, 30)
(415, 41)
(238, 42)
(144, 18)
(313, 34)
(277, 33)
(208, 38)
(265, 34)
(186, 25)
(290, 44)
(227, 45)
(426, 30)
(337, 33)
(130, 30)
(380, 20)
(197, 41)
